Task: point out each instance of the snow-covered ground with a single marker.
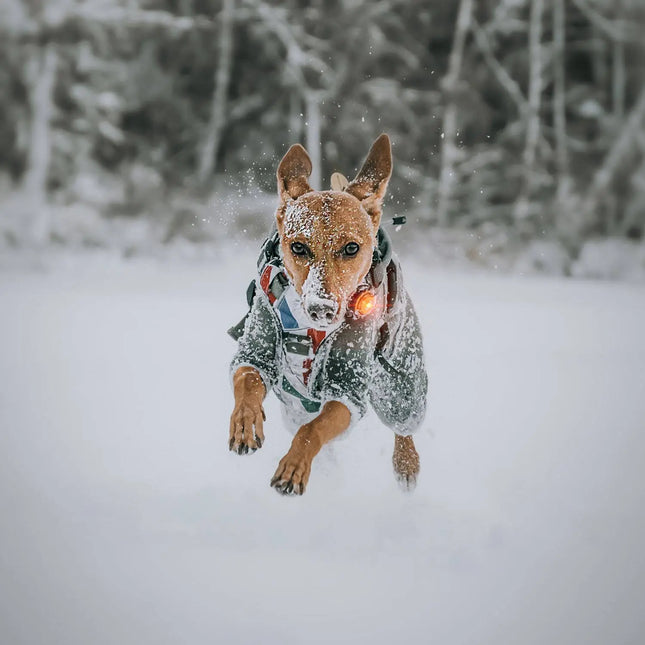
(125, 520)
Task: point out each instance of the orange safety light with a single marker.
(364, 303)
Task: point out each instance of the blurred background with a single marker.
(139, 141)
(155, 126)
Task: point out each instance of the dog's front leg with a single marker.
(246, 432)
(294, 468)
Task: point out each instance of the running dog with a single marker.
(331, 328)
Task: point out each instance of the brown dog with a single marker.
(307, 337)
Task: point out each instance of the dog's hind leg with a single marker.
(405, 460)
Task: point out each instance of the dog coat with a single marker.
(376, 358)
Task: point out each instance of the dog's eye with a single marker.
(298, 248)
(351, 249)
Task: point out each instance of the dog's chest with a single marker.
(300, 343)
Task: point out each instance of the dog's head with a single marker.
(328, 237)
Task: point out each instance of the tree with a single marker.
(39, 150)
(522, 206)
(217, 122)
(449, 150)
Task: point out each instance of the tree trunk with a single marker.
(449, 150)
(40, 145)
(312, 102)
(559, 92)
(295, 116)
(565, 224)
(208, 156)
(599, 59)
(522, 206)
(618, 81)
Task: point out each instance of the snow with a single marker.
(124, 518)
(611, 258)
(299, 219)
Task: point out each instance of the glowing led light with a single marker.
(365, 303)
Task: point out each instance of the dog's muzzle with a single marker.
(321, 311)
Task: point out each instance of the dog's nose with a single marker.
(322, 311)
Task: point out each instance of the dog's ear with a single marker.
(292, 173)
(371, 182)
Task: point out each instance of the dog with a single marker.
(331, 327)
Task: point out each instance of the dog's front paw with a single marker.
(292, 474)
(246, 432)
(406, 463)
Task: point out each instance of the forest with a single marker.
(518, 126)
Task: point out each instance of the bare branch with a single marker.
(502, 76)
(140, 18)
(245, 106)
(621, 146)
(298, 57)
(617, 30)
(52, 24)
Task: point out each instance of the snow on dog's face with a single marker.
(327, 237)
